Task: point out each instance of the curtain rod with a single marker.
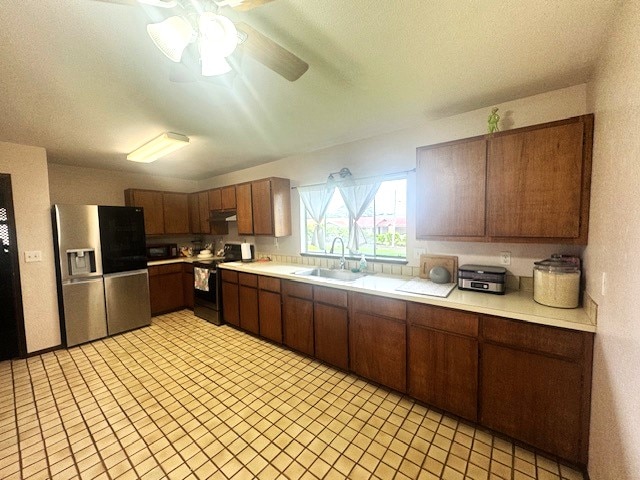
(365, 178)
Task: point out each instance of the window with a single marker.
(380, 231)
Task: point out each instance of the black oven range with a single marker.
(207, 302)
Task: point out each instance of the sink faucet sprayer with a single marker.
(342, 260)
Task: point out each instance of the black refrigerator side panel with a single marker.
(122, 238)
(56, 250)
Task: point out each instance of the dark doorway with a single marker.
(12, 338)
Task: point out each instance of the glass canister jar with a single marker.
(556, 282)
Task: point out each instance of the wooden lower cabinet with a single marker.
(166, 288)
(442, 359)
(230, 298)
(270, 308)
(377, 340)
(297, 316)
(248, 298)
(331, 326)
(535, 385)
(528, 381)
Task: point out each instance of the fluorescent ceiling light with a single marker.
(158, 147)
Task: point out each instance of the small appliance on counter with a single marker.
(482, 278)
(162, 251)
(556, 281)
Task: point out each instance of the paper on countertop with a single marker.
(427, 287)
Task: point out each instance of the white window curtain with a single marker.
(357, 196)
(316, 199)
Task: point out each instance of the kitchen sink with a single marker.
(332, 274)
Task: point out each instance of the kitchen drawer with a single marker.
(187, 268)
(452, 321)
(269, 283)
(300, 290)
(330, 296)
(380, 306)
(229, 276)
(165, 269)
(248, 280)
(538, 338)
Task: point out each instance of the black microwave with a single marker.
(162, 251)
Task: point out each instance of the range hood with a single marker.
(222, 216)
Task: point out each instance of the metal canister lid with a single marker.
(557, 265)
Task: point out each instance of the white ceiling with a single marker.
(83, 79)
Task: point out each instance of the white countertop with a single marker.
(518, 305)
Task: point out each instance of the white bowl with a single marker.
(205, 253)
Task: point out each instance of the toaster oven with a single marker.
(482, 278)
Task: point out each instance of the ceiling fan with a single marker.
(197, 35)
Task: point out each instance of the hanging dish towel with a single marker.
(201, 278)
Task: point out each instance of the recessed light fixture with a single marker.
(158, 147)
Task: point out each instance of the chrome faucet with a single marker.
(342, 260)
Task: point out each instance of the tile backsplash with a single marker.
(513, 281)
(376, 267)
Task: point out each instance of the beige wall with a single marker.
(30, 186)
(614, 251)
(90, 186)
(396, 151)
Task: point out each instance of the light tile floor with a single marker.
(186, 399)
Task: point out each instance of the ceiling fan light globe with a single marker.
(171, 36)
(218, 32)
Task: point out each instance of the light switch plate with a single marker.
(32, 256)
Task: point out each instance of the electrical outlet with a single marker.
(33, 256)
(417, 252)
(604, 283)
(505, 258)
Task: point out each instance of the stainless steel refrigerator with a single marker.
(101, 265)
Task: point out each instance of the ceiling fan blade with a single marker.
(272, 55)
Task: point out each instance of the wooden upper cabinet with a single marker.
(244, 210)
(228, 197)
(151, 202)
(203, 208)
(224, 198)
(530, 184)
(535, 183)
(262, 207)
(176, 212)
(194, 213)
(450, 193)
(215, 199)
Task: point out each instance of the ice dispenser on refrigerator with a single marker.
(81, 261)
